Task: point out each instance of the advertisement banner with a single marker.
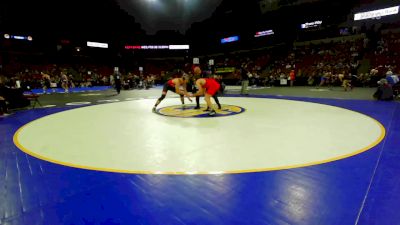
(225, 70)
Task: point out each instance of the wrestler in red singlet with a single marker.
(211, 86)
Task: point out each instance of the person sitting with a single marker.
(3, 106)
(13, 96)
(392, 79)
(3, 103)
(384, 91)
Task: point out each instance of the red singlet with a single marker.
(170, 83)
(211, 86)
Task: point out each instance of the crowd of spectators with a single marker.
(335, 63)
(312, 64)
(54, 76)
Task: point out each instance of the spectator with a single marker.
(245, 79)
(292, 77)
(384, 91)
(3, 103)
(118, 82)
(392, 79)
(64, 82)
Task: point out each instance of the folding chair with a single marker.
(33, 98)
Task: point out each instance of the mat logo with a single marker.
(191, 112)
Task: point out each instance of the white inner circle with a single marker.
(127, 137)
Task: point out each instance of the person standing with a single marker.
(292, 77)
(194, 89)
(174, 85)
(64, 82)
(45, 82)
(347, 82)
(245, 79)
(209, 88)
(117, 82)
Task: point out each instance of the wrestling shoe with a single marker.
(212, 113)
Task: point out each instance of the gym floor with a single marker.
(277, 156)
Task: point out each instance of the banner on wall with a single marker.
(225, 70)
(377, 13)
